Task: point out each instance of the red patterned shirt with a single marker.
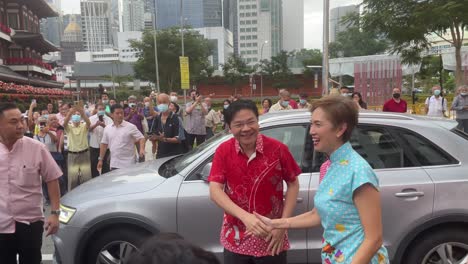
(254, 184)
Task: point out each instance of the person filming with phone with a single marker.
(98, 122)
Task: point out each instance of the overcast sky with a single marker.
(312, 18)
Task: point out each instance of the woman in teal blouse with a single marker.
(347, 202)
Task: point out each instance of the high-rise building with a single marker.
(259, 29)
(133, 15)
(196, 13)
(293, 25)
(51, 29)
(95, 24)
(66, 19)
(71, 41)
(336, 16)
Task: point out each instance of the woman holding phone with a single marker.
(347, 202)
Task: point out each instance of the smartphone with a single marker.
(101, 118)
(33, 101)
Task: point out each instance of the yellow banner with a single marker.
(184, 73)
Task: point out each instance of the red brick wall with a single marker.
(222, 90)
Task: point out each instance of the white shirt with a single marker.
(278, 107)
(97, 133)
(121, 142)
(435, 106)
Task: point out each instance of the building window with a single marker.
(248, 22)
(242, 22)
(242, 37)
(254, 44)
(254, 59)
(242, 30)
(249, 44)
(242, 45)
(254, 37)
(13, 20)
(254, 13)
(248, 37)
(254, 52)
(248, 29)
(254, 29)
(254, 22)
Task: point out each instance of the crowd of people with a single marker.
(68, 144)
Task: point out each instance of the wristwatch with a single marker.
(55, 212)
(99, 158)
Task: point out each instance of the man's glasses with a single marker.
(239, 125)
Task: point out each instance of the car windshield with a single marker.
(178, 164)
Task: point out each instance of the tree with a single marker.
(408, 23)
(277, 68)
(197, 48)
(235, 70)
(356, 42)
(309, 57)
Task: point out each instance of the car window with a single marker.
(292, 136)
(379, 147)
(425, 151)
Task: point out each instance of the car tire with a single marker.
(110, 238)
(424, 249)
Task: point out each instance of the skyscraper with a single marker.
(293, 25)
(260, 31)
(96, 29)
(133, 15)
(197, 13)
(336, 16)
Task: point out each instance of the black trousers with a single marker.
(94, 155)
(234, 258)
(25, 242)
(192, 137)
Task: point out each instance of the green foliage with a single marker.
(278, 70)
(309, 57)
(197, 48)
(235, 70)
(356, 42)
(408, 23)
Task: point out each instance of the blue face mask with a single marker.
(76, 118)
(101, 113)
(163, 107)
(226, 106)
(303, 101)
(46, 116)
(437, 92)
(285, 103)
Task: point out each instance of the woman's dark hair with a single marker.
(339, 110)
(115, 107)
(177, 107)
(171, 249)
(270, 103)
(362, 104)
(236, 107)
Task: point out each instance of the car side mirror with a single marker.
(205, 172)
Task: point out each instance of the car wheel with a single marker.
(444, 246)
(115, 246)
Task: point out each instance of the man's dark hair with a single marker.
(177, 107)
(171, 249)
(70, 105)
(7, 106)
(344, 87)
(237, 106)
(197, 93)
(104, 94)
(115, 107)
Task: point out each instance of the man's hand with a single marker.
(199, 99)
(276, 240)
(255, 226)
(99, 165)
(33, 104)
(45, 129)
(100, 123)
(142, 153)
(52, 225)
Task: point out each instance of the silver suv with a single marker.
(421, 164)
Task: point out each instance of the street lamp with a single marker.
(156, 50)
(261, 74)
(326, 35)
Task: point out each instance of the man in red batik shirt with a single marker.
(396, 104)
(247, 176)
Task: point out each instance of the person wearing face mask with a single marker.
(283, 103)
(195, 119)
(98, 122)
(460, 104)
(396, 104)
(211, 120)
(79, 169)
(226, 105)
(303, 104)
(105, 102)
(436, 105)
(150, 112)
(166, 130)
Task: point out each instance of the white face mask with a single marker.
(463, 94)
(173, 98)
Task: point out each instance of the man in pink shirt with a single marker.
(120, 138)
(23, 162)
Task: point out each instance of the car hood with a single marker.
(137, 178)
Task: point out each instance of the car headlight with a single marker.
(66, 213)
